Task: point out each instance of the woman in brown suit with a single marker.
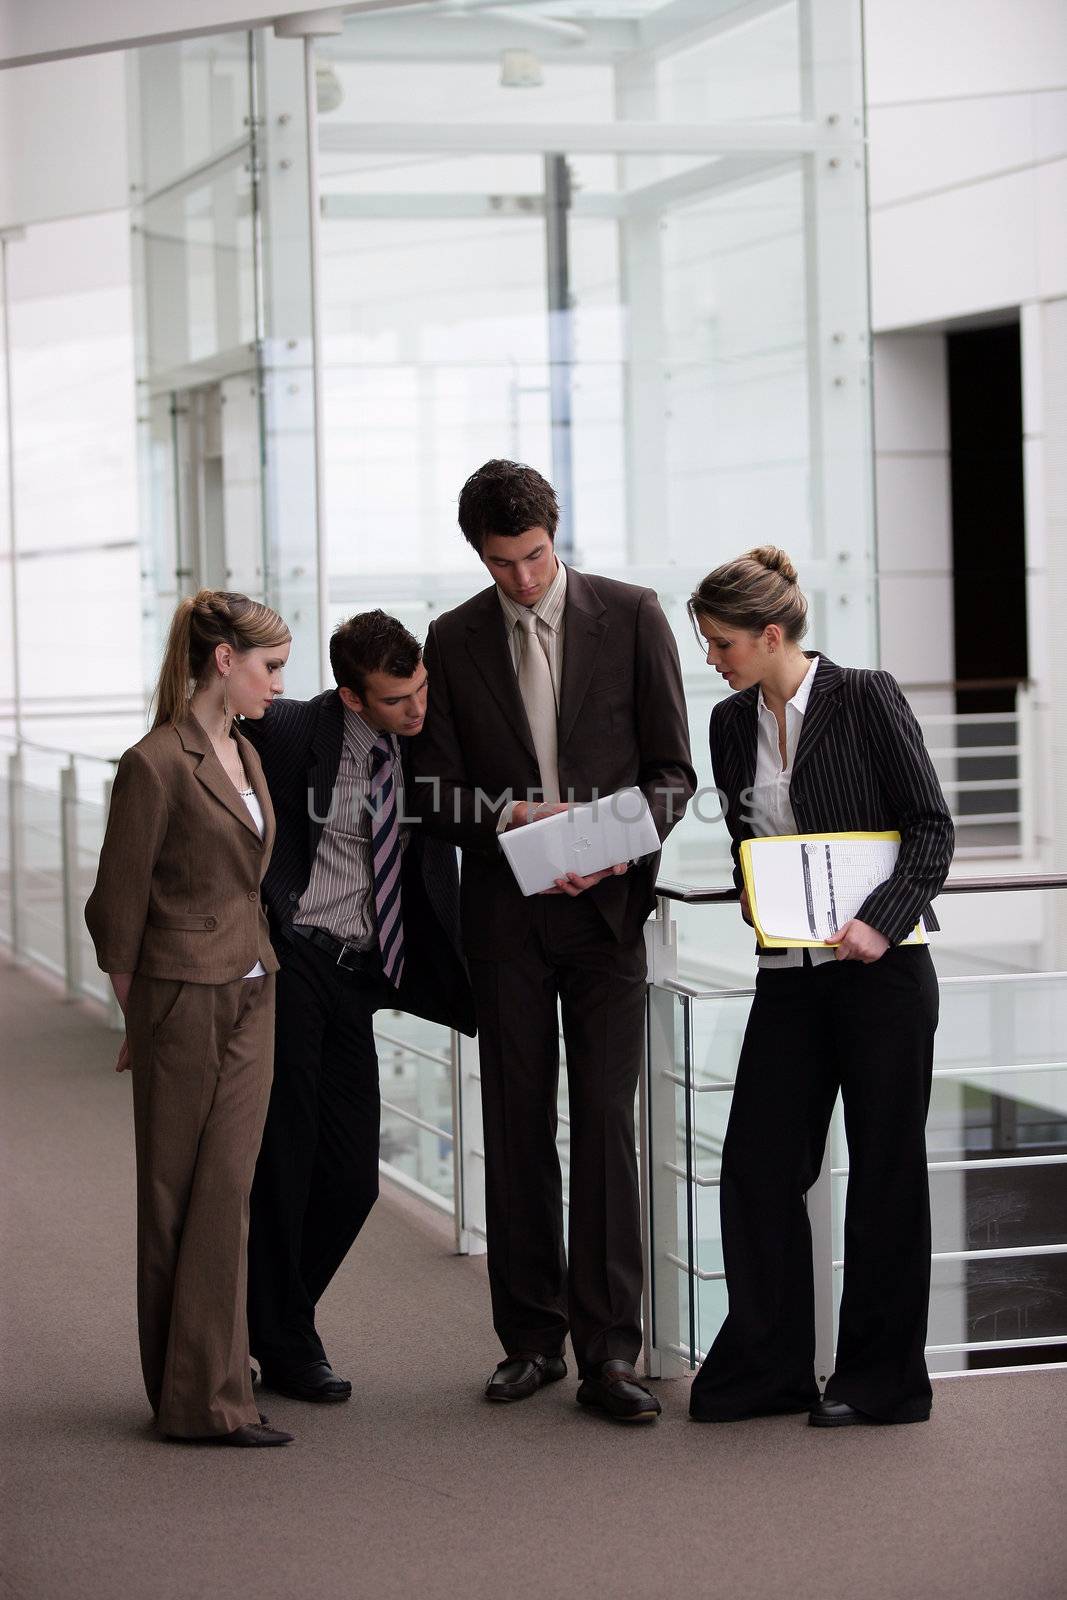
(179, 928)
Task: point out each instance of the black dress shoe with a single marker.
(836, 1414)
(317, 1382)
(839, 1414)
(516, 1377)
(255, 1436)
(615, 1388)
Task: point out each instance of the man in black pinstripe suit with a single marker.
(317, 1174)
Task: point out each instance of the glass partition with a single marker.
(997, 1145)
(219, 153)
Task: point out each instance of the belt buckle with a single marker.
(346, 949)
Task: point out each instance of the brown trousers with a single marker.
(201, 1056)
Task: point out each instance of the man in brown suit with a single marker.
(554, 685)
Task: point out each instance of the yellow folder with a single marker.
(813, 879)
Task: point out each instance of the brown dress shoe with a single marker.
(516, 1377)
(256, 1436)
(615, 1389)
(252, 1436)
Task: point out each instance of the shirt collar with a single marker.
(549, 609)
(799, 702)
(360, 738)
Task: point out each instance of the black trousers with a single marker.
(868, 1030)
(317, 1173)
(570, 962)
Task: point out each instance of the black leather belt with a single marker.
(345, 955)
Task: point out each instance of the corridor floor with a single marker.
(418, 1488)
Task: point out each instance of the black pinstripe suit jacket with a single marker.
(299, 744)
(860, 765)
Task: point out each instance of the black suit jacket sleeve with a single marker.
(906, 774)
(731, 811)
(448, 803)
(666, 776)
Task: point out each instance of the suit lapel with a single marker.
(823, 704)
(324, 759)
(745, 733)
(211, 773)
(487, 643)
(583, 636)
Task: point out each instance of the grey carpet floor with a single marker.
(417, 1488)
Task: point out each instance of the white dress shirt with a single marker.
(771, 808)
(255, 811)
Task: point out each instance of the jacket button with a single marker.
(210, 922)
(293, 895)
(252, 895)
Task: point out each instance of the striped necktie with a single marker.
(385, 855)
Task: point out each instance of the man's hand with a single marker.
(123, 1062)
(745, 911)
(574, 884)
(858, 941)
(523, 812)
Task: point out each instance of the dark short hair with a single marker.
(508, 499)
(372, 641)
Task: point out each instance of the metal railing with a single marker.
(54, 808)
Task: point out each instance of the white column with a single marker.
(641, 284)
(838, 329)
(1044, 359)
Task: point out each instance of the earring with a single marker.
(225, 705)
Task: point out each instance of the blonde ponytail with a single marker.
(212, 617)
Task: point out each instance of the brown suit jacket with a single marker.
(178, 887)
(622, 721)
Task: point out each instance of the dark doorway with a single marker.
(988, 526)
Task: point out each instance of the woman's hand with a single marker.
(122, 982)
(858, 941)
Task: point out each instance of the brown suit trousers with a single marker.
(202, 1065)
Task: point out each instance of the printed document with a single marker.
(803, 888)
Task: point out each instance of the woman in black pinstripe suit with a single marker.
(804, 746)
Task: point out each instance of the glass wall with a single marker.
(218, 151)
(71, 534)
(634, 258)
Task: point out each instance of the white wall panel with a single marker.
(63, 140)
(968, 251)
(915, 149)
(910, 393)
(914, 513)
(915, 615)
(937, 49)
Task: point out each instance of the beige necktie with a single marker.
(538, 696)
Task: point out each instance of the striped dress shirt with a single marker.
(339, 897)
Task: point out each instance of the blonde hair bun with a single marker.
(774, 560)
(751, 592)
